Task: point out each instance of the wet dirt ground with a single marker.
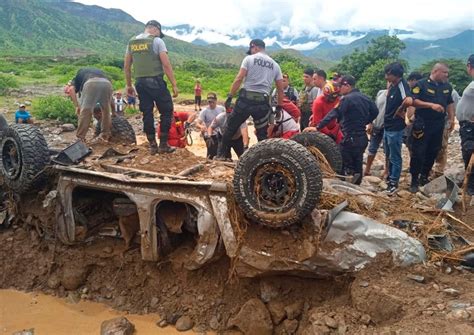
(381, 299)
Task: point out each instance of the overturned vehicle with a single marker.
(262, 213)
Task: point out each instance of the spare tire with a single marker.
(24, 154)
(325, 144)
(277, 182)
(122, 130)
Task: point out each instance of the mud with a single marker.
(381, 299)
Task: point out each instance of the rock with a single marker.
(30, 331)
(316, 330)
(268, 291)
(53, 282)
(294, 310)
(342, 330)
(73, 298)
(201, 328)
(452, 292)
(423, 302)
(364, 284)
(458, 314)
(373, 179)
(277, 311)
(418, 279)
(108, 250)
(184, 323)
(290, 326)
(365, 319)
(162, 323)
(73, 276)
(68, 127)
(379, 305)
(117, 326)
(214, 323)
(253, 318)
(330, 322)
(144, 161)
(404, 194)
(154, 301)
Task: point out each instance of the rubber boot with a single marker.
(153, 145)
(164, 148)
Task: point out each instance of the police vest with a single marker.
(146, 63)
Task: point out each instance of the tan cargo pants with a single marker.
(97, 92)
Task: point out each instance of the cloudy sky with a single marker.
(430, 19)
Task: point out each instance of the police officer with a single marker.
(465, 116)
(149, 56)
(354, 112)
(432, 100)
(257, 72)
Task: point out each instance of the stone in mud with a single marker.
(294, 310)
(53, 282)
(73, 276)
(380, 306)
(184, 323)
(117, 326)
(277, 311)
(253, 318)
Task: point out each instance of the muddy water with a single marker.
(50, 315)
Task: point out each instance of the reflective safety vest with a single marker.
(146, 63)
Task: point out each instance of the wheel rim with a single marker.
(274, 186)
(11, 158)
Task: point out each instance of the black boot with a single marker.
(470, 185)
(164, 148)
(414, 187)
(153, 145)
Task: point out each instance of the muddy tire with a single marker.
(3, 125)
(24, 154)
(122, 130)
(277, 182)
(325, 144)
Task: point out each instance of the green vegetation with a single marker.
(7, 81)
(55, 108)
(458, 76)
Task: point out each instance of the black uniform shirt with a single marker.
(354, 112)
(428, 90)
(84, 75)
(395, 96)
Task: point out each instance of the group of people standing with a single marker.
(335, 107)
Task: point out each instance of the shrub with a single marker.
(7, 81)
(55, 108)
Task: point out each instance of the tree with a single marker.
(382, 48)
(458, 76)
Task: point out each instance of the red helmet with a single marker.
(331, 89)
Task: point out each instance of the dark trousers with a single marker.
(425, 149)
(212, 146)
(153, 91)
(304, 121)
(237, 145)
(466, 132)
(352, 151)
(260, 111)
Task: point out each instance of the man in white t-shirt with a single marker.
(258, 72)
(206, 116)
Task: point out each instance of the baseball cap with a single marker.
(22, 105)
(154, 23)
(470, 60)
(211, 95)
(348, 80)
(256, 43)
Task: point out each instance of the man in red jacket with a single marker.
(322, 105)
(177, 134)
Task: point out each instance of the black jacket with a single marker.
(354, 112)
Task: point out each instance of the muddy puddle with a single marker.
(51, 315)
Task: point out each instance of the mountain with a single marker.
(333, 45)
(65, 28)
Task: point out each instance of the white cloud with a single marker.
(304, 17)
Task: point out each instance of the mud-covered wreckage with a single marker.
(276, 184)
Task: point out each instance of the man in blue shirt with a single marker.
(22, 115)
